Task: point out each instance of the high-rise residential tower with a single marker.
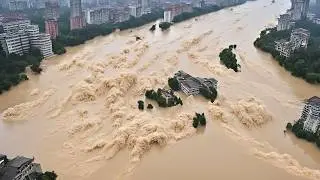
(77, 16)
(51, 18)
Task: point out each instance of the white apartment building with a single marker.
(316, 20)
(44, 44)
(167, 16)
(15, 43)
(97, 16)
(14, 25)
(133, 11)
(311, 115)
(18, 38)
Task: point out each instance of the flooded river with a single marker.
(80, 116)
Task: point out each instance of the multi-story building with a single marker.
(14, 25)
(18, 40)
(18, 168)
(311, 16)
(191, 85)
(299, 38)
(52, 28)
(97, 15)
(167, 16)
(15, 43)
(299, 9)
(284, 47)
(145, 5)
(44, 44)
(119, 14)
(284, 22)
(51, 18)
(77, 16)
(311, 115)
(174, 10)
(133, 11)
(17, 5)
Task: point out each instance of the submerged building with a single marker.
(299, 38)
(191, 85)
(18, 168)
(311, 115)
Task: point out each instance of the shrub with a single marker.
(289, 126)
(149, 106)
(140, 105)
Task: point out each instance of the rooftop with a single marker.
(315, 100)
(11, 168)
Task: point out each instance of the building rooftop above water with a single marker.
(315, 100)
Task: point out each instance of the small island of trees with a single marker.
(164, 25)
(174, 84)
(199, 119)
(299, 132)
(228, 58)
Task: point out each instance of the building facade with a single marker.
(299, 9)
(167, 16)
(18, 168)
(191, 85)
(18, 5)
(284, 22)
(77, 16)
(52, 28)
(97, 16)
(311, 115)
(283, 47)
(19, 38)
(299, 38)
(14, 25)
(174, 10)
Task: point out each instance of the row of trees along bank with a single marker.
(12, 67)
(303, 63)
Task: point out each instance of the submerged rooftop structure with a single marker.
(18, 168)
(191, 85)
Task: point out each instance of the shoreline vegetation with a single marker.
(303, 63)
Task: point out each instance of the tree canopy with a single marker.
(228, 58)
(303, 63)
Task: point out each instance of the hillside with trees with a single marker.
(303, 63)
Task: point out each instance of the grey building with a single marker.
(283, 47)
(284, 22)
(191, 85)
(311, 115)
(18, 168)
(299, 9)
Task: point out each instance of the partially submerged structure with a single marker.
(191, 85)
(18, 168)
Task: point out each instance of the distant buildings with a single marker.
(97, 15)
(299, 39)
(77, 19)
(18, 5)
(20, 36)
(18, 168)
(135, 11)
(145, 6)
(299, 9)
(284, 22)
(191, 85)
(311, 115)
(51, 19)
(174, 10)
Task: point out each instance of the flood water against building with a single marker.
(80, 116)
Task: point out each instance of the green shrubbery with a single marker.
(12, 68)
(297, 129)
(174, 84)
(196, 12)
(141, 105)
(47, 176)
(209, 93)
(228, 58)
(304, 63)
(164, 25)
(199, 119)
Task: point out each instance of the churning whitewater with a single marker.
(80, 116)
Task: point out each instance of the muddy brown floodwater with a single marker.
(80, 116)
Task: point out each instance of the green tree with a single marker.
(289, 126)
(174, 84)
(164, 25)
(140, 105)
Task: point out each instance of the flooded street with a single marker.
(80, 116)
